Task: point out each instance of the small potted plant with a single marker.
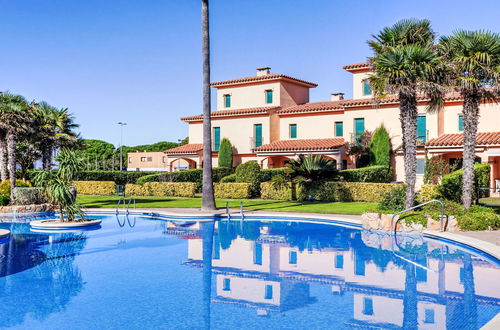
(58, 187)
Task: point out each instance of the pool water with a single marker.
(145, 273)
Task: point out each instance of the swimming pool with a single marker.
(141, 272)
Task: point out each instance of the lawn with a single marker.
(248, 204)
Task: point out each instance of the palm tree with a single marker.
(208, 199)
(406, 64)
(55, 130)
(15, 118)
(473, 58)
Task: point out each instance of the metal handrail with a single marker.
(128, 205)
(415, 207)
(118, 204)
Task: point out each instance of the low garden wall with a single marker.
(33, 208)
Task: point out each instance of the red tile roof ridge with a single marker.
(360, 65)
(271, 76)
(232, 112)
(302, 145)
(189, 148)
(457, 139)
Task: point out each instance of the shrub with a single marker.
(478, 220)
(5, 186)
(380, 147)
(229, 178)
(233, 190)
(119, 177)
(4, 200)
(268, 190)
(268, 174)
(376, 173)
(149, 178)
(225, 153)
(249, 172)
(394, 200)
(451, 184)
(103, 188)
(193, 175)
(428, 192)
(161, 189)
(29, 195)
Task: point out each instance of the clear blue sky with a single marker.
(139, 61)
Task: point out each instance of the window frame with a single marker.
(216, 138)
(268, 94)
(256, 144)
(294, 131)
(366, 82)
(460, 123)
(227, 100)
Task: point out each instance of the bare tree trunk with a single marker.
(4, 175)
(470, 121)
(208, 200)
(408, 118)
(47, 157)
(11, 150)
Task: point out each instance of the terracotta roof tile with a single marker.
(357, 66)
(301, 145)
(185, 149)
(271, 76)
(234, 112)
(483, 138)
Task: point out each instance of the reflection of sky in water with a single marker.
(143, 273)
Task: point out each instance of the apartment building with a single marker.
(269, 118)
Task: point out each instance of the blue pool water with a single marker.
(145, 273)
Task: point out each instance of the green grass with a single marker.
(248, 204)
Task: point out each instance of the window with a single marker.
(269, 96)
(216, 138)
(226, 284)
(359, 127)
(150, 159)
(143, 159)
(227, 101)
(339, 128)
(368, 306)
(420, 165)
(429, 316)
(258, 134)
(344, 164)
(164, 159)
(293, 131)
(460, 123)
(130, 160)
(367, 89)
(257, 254)
(269, 292)
(292, 258)
(339, 261)
(422, 129)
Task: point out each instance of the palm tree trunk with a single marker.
(408, 118)
(47, 157)
(4, 175)
(208, 200)
(11, 151)
(470, 121)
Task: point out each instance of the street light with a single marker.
(121, 144)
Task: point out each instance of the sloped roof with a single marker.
(446, 140)
(304, 145)
(234, 112)
(357, 66)
(266, 77)
(185, 149)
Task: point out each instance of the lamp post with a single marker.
(121, 144)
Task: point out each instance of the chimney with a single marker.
(263, 71)
(336, 96)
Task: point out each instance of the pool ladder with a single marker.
(228, 212)
(131, 199)
(443, 216)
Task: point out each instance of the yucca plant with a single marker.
(58, 188)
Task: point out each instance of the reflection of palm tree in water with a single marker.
(208, 242)
(410, 318)
(44, 267)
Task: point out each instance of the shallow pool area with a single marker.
(147, 272)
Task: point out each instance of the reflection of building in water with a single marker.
(270, 270)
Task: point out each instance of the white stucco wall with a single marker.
(248, 96)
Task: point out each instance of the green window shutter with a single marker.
(293, 131)
(367, 89)
(422, 128)
(359, 126)
(216, 138)
(460, 123)
(258, 135)
(269, 96)
(227, 101)
(339, 128)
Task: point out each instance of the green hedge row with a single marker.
(376, 173)
(451, 184)
(119, 177)
(330, 191)
(233, 190)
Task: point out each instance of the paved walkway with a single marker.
(492, 236)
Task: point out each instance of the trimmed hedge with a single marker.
(376, 173)
(249, 172)
(233, 190)
(103, 188)
(267, 174)
(28, 196)
(149, 178)
(5, 186)
(331, 191)
(451, 184)
(160, 189)
(193, 175)
(228, 179)
(428, 192)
